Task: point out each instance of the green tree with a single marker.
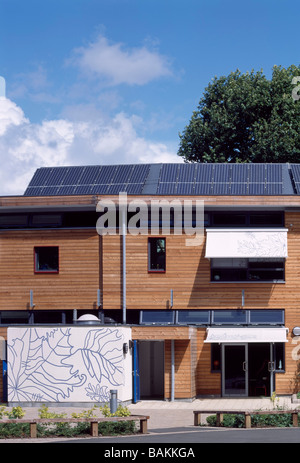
(246, 118)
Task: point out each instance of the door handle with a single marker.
(271, 366)
(244, 366)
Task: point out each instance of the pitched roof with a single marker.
(167, 179)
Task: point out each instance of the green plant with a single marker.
(14, 413)
(44, 413)
(258, 421)
(121, 411)
(110, 428)
(85, 413)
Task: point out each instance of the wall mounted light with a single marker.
(125, 348)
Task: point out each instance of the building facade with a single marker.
(210, 297)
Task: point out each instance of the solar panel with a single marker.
(165, 188)
(71, 177)
(170, 179)
(39, 177)
(256, 188)
(221, 173)
(134, 188)
(83, 190)
(65, 190)
(202, 189)
(239, 173)
(204, 173)
(89, 175)
(50, 191)
(295, 171)
(274, 188)
(139, 173)
(169, 173)
(187, 173)
(123, 174)
(220, 189)
(239, 189)
(100, 189)
(185, 188)
(116, 188)
(33, 191)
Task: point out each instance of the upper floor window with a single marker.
(157, 255)
(46, 259)
(252, 269)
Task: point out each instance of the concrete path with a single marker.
(169, 415)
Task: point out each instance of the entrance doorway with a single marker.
(247, 370)
(151, 369)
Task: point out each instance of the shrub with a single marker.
(259, 421)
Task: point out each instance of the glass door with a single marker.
(234, 370)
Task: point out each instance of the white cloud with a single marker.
(10, 115)
(25, 146)
(137, 66)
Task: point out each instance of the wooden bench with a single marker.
(93, 422)
(247, 415)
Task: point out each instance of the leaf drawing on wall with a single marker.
(102, 355)
(50, 364)
(35, 367)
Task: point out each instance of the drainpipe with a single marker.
(172, 370)
(123, 210)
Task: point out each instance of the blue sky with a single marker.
(115, 81)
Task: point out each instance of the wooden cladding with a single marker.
(73, 287)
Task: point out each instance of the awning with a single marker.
(236, 335)
(246, 243)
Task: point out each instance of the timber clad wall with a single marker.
(74, 287)
(88, 262)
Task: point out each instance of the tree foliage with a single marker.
(246, 118)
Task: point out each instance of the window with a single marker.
(157, 255)
(229, 317)
(193, 317)
(215, 357)
(13, 220)
(267, 317)
(46, 220)
(46, 259)
(157, 317)
(279, 357)
(247, 219)
(247, 270)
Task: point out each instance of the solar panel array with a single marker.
(295, 170)
(88, 180)
(221, 179)
(167, 179)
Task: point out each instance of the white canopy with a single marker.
(241, 334)
(246, 243)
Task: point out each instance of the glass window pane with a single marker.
(267, 317)
(153, 317)
(215, 357)
(193, 317)
(7, 221)
(232, 317)
(46, 219)
(157, 254)
(279, 356)
(46, 259)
